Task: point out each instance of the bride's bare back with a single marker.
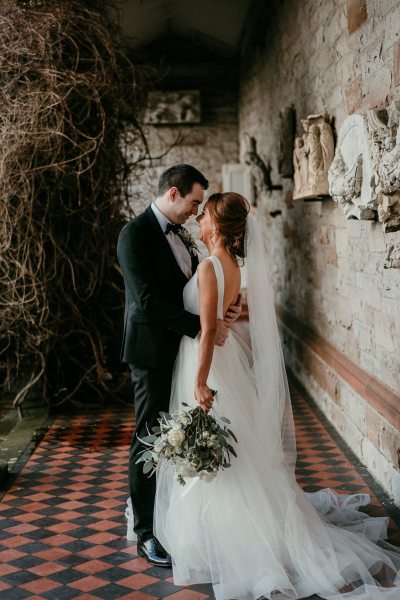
(231, 278)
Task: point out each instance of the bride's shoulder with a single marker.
(206, 269)
(205, 265)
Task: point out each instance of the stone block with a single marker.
(385, 332)
(342, 242)
(344, 313)
(363, 334)
(356, 14)
(373, 425)
(324, 235)
(353, 95)
(376, 239)
(391, 27)
(331, 257)
(372, 58)
(377, 88)
(389, 443)
(396, 63)
(384, 6)
(371, 293)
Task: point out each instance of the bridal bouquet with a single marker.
(195, 442)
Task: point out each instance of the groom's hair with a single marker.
(182, 177)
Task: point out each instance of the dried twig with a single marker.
(70, 108)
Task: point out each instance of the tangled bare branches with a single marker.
(69, 107)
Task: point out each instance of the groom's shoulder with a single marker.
(138, 223)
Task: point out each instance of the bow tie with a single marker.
(173, 227)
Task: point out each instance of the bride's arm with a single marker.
(208, 294)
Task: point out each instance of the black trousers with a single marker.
(152, 393)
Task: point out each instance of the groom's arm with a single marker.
(139, 276)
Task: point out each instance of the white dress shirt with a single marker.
(179, 249)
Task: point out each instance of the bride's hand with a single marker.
(204, 396)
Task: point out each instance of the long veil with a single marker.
(370, 567)
(274, 407)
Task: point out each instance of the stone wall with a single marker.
(339, 56)
(179, 65)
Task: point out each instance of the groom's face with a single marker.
(183, 207)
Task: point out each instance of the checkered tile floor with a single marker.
(62, 529)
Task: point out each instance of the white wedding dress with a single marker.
(252, 531)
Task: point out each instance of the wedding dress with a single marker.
(252, 532)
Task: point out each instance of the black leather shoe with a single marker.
(154, 553)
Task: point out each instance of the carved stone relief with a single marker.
(389, 172)
(365, 174)
(392, 260)
(171, 108)
(312, 157)
(351, 175)
(260, 171)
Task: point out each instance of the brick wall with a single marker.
(180, 65)
(340, 56)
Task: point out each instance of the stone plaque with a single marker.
(173, 108)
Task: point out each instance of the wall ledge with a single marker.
(383, 399)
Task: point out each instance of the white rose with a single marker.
(176, 437)
(185, 418)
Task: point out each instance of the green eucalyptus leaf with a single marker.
(232, 450)
(148, 466)
(232, 435)
(149, 438)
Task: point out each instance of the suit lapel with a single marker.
(165, 248)
(195, 263)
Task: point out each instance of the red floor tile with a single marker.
(6, 569)
(137, 581)
(137, 596)
(40, 585)
(88, 584)
(93, 566)
(47, 568)
(187, 595)
(64, 515)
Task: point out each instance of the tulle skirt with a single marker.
(252, 532)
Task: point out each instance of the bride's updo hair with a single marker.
(229, 212)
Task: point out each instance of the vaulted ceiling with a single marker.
(213, 24)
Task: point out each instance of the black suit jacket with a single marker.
(155, 319)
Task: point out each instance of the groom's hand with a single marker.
(234, 311)
(221, 333)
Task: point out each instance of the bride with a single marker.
(252, 531)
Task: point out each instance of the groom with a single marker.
(158, 258)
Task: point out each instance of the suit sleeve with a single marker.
(138, 273)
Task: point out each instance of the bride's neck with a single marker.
(214, 247)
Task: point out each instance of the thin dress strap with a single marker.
(219, 273)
